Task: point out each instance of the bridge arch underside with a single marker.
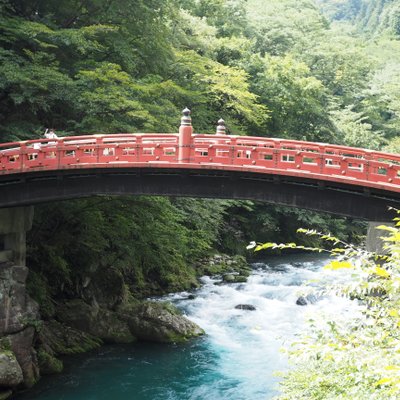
(335, 198)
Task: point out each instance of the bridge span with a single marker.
(322, 177)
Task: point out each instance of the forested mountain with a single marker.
(372, 16)
(271, 68)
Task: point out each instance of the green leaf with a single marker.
(335, 265)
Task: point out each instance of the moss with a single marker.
(37, 288)
(5, 344)
(48, 364)
(240, 279)
(65, 340)
(223, 264)
(83, 347)
(5, 394)
(170, 308)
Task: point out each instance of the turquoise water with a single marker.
(140, 371)
(237, 358)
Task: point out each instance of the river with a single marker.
(236, 360)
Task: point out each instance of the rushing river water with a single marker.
(237, 358)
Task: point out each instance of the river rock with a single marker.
(159, 322)
(48, 363)
(301, 301)
(223, 264)
(240, 279)
(229, 278)
(21, 346)
(10, 371)
(307, 299)
(56, 338)
(5, 394)
(96, 321)
(247, 307)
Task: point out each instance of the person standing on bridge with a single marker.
(50, 135)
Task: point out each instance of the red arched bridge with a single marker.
(323, 177)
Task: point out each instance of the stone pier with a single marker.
(18, 312)
(374, 242)
(14, 223)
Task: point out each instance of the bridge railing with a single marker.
(299, 156)
(243, 153)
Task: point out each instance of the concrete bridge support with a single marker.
(14, 223)
(374, 242)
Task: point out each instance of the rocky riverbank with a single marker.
(31, 343)
(103, 308)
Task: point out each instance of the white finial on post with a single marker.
(186, 119)
(221, 128)
(185, 136)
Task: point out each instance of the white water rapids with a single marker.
(248, 343)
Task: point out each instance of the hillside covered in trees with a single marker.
(326, 71)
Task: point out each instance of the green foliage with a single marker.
(352, 129)
(340, 9)
(73, 240)
(296, 99)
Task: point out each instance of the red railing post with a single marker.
(22, 154)
(185, 137)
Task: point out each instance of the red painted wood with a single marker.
(319, 161)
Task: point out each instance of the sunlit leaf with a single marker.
(335, 265)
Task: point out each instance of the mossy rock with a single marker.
(62, 339)
(159, 322)
(5, 344)
(229, 278)
(221, 264)
(10, 371)
(96, 321)
(48, 364)
(5, 394)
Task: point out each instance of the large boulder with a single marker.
(21, 346)
(5, 394)
(48, 363)
(224, 264)
(158, 322)
(310, 298)
(96, 321)
(10, 371)
(56, 338)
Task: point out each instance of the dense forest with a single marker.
(326, 71)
